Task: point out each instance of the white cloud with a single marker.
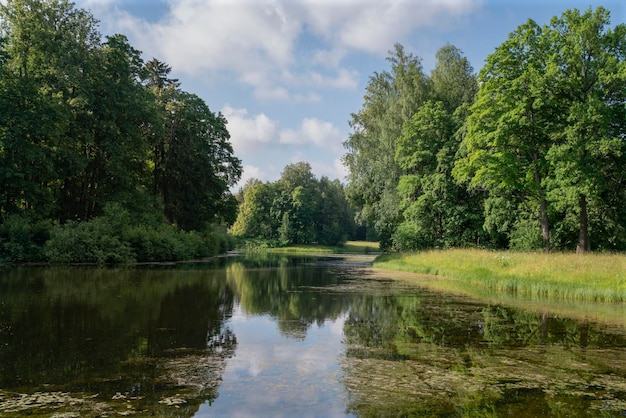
(253, 130)
(373, 26)
(336, 170)
(253, 172)
(248, 132)
(201, 37)
(314, 132)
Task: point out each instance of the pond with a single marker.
(295, 336)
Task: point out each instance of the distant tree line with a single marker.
(529, 154)
(297, 209)
(88, 129)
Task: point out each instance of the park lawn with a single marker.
(566, 276)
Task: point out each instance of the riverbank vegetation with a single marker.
(349, 247)
(529, 154)
(589, 277)
(103, 157)
(298, 209)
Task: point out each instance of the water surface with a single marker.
(293, 336)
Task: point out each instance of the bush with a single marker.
(22, 240)
(108, 239)
(93, 241)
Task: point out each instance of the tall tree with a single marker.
(296, 209)
(392, 97)
(48, 46)
(192, 157)
(453, 80)
(437, 211)
(548, 126)
(106, 158)
(587, 72)
(199, 166)
(508, 132)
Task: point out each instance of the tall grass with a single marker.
(589, 277)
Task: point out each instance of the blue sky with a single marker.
(287, 74)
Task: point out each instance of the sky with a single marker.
(287, 74)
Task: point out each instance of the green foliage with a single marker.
(94, 241)
(391, 98)
(22, 240)
(297, 209)
(85, 123)
(547, 129)
(115, 238)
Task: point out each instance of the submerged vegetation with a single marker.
(589, 277)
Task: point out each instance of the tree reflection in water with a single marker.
(425, 354)
(158, 341)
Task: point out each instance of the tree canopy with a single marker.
(86, 128)
(529, 154)
(91, 124)
(296, 209)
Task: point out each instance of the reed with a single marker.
(588, 277)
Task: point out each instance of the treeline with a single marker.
(528, 154)
(88, 130)
(297, 209)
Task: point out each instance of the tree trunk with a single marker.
(543, 206)
(545, 225)
(583, 234)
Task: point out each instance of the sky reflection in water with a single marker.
(279, 375)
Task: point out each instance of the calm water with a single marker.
(282, 336)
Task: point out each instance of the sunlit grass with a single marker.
(350, 247)
(589, 277)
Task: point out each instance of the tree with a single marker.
(508, 132)
(47, 45)
(392, 97)
(192, 157)
(547, 129)
(254, 218)
(199, 165)
(453, 80)
(296, 209)
(587, 73)
(437, 211)
(106, 159)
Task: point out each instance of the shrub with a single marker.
(92, 241)
(22, 240)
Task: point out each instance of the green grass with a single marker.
(589, 277)
(350, 247)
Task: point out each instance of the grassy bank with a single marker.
(589, 277)
(350, 247)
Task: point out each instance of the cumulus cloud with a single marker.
(257, 137)
(373, 26)
(199, 37)
(314, 132)
(248, 132)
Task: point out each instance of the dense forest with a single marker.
(528, 154)
(104, 158)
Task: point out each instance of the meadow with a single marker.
(564, 276)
